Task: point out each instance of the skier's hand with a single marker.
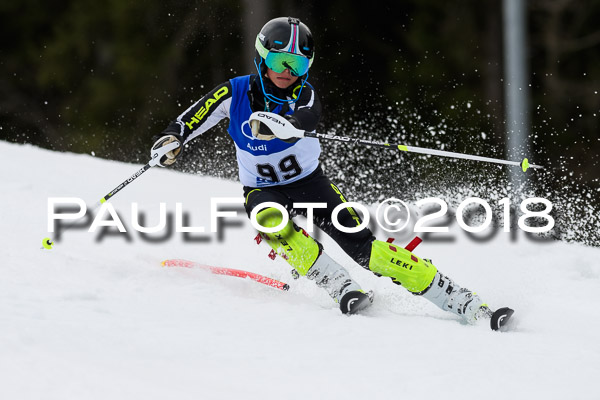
(274, 125)
(260, 131)
(171, 156)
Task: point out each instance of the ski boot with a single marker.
(448, 296)
(336, 280)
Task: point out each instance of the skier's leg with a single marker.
(418, 276)
(421, 277)
(304, 253)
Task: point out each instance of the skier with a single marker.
(276, 165)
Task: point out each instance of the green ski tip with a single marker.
(525, 164)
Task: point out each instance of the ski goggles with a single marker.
(280, 61)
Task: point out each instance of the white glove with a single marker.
(269, 125)
(165, 150)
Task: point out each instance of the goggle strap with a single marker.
(262, 50)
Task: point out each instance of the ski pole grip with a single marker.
(158, 153)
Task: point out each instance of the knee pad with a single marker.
(292, 242)
(405, 269)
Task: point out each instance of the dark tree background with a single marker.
(102, 77)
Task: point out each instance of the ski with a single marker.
(355, 301)
(500, 318)
(228, 271)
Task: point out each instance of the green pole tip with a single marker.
(47, 243)
(525, 164)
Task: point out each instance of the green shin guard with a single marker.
(291, 243)
(422, 278)
(306, 256)
(406, 269)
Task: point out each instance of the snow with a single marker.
(99, 318)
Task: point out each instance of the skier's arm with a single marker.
(197, 119)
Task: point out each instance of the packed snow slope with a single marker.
(99, 318)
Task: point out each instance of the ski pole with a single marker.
(421, 150)
(286, 130)
(157, 154)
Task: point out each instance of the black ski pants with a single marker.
(317, 188)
